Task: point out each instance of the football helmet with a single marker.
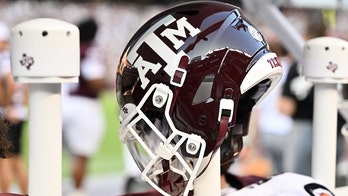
(186, 83)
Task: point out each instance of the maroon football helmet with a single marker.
(185, 85)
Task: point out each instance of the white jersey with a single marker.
(286, 184)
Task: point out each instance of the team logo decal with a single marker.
(27, 61)
(274, 62)
(255, 33)
(332, 67)
(165, 45)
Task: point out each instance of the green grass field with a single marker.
(109, 158)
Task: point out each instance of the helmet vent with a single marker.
(204, 90)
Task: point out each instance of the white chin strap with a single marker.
(161, 147)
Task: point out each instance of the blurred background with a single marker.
(118, 20)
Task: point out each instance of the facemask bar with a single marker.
(166, 148)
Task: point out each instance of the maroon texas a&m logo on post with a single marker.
(332, 67)
(27, 61)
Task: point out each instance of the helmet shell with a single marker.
(216, 46)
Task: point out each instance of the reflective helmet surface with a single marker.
(186, 83)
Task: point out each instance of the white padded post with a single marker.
(45, 53)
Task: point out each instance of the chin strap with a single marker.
(222, 131)
(226, 109)
(225, 116)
